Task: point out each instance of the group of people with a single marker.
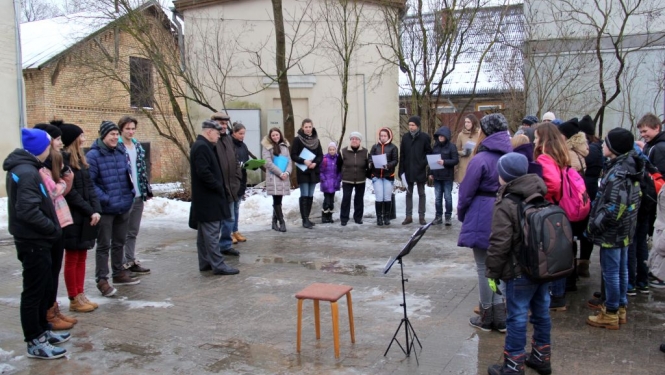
(61, 203)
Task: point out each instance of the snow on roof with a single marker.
(500, 70)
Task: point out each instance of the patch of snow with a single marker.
(169, 187)
(6, 368)
(3, 213)
(144, 304)
(267, 282)
(10, 302)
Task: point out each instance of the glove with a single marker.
(494, 285)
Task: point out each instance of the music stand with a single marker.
(409, 332)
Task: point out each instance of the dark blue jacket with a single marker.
(111, 173)
(448, 152)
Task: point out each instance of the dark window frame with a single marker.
(141, 93)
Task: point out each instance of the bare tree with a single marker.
(35, 10)
(282, 69)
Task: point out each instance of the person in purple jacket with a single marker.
(331, 177)
(477, 193)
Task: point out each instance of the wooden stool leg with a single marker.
(349, 304)
(335, 324)
(317, 322)
(299, 330)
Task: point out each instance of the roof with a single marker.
(182, 5)
(494, 77)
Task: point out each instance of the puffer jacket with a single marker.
(657, 254)
(505, 237)
(448, 152)
(111, 174)
(354, 165)
(552, 176)
(613, 214)
(274, 184)
(331, 173)
(392, 157)
(82, 202)
(578, 149)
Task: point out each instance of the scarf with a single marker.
(310, 141)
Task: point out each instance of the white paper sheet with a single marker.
(379, 161)
(432, 161)
(306, 155)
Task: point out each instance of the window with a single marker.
(445, 109)
(402, 111)
(140, 76)
(488, 107)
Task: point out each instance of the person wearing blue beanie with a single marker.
(36, 142)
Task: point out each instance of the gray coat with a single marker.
(274, 184)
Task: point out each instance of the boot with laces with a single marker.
(605, 319)
(68, 319)
(57, 324)
(85, 299)
(77, 305)
(539, 359)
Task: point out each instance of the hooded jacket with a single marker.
(32, 217)
(331, 173)
(448, 152)
(578, 149)
(413, 156)
(392, 157)
(274, 184)
(310, 176)
(505, 237)
(655, 151)
(527, 150)
(111, 175)
(613, 214)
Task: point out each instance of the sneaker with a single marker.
(643, 288)
(448, 222)
(137, 269)
(631, 290)
(437, 220)
(105, 288)
(124, 279)
(40, 348)
(57, 338)
(655, 282)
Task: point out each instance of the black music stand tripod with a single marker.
(409, 333)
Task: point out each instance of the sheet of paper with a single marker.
(469, 146)
(404, 183)
(306, 154)
(379, 161)
(432, 161)
(302, 167)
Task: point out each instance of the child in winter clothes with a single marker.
(612, 223)
(522, 294)
(331, 177)
(443, 178)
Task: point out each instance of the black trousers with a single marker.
(358, 206)
(57, 254)
(328, 201)
(37, 288)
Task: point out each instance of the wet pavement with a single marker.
(182, 321)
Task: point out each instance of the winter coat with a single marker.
(655, 151)
(242, 156)
(552, 176)
(594, 168)
(527, 150)
(613, 216)
(578, 149)
(56, 191)
(30, 210)
(210, 202)
(448, 152)
(141, 170)
(331, 173)
(309, 176)
(111, 174)
(82, 202)
(657, 253)
(477, 192)
(505, 237)
(274, 184)
(392, 157)
(413, 156)
(354, 165)
(226, 154)
(462, 138)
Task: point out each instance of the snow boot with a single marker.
(513, 365)
(280, 218)
(274, 218)
(604, 319)
(57, 324)
(379, 213)
(539, 359)
(310, 202)
(499, 317)
(304, 215)
(484, 320)
(68, 319)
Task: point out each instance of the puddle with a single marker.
(132, 349)
(239, 355)
(332, 266)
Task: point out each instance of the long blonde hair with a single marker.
(552, 144)
(77, 157)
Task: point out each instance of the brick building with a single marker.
(85, 68)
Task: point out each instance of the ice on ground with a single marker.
(169, 187)
(417, 306)
(143, 304)
(267, 282)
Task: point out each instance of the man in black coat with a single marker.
(209, 200)
(414, 149)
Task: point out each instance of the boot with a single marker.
(499, 317)
(604, 319)
(379, 213)
(437, 220)
(78, 305)
(280, 217)
(57, 324)
(484, 320)
(304, 215)
(558, 303)
(324, 217)
(310, 202)
(422, 220)
(68, 319)
(583, 268)
(539, 359)
(407, 220)
(239, 237)
(511, 365)
(571, 280)
(622, 315)
(85, 299)
(274, 218)
(330, 218)
(386, 213)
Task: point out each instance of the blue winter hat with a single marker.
(512, 165)
(35, 141)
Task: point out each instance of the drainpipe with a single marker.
(181, 38)
(365, 110)
(19, 65)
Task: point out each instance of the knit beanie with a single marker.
(587, 125)
(415, 120)
(357, 135)
(106, 127)
(530, 120)
(52, 130)
(70, 133)
(549, 116)
(512, 165)
(493, 123)
(35, 141)
(619, 141)
(569, 128)
(332, 144)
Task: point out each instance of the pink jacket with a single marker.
(551, 176)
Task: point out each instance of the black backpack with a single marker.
(546, 249)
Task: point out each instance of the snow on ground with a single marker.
(5, 356)
(169, 187)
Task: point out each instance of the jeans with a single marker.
(135, 215)
(421, 199)
(523, 295)
(112, 236)
(37, 288)
(558, 287)
(445, 189)
(487, 296)
(307, 189)
(207, 245)
(358, 202)
(225, 240)
(383, 189)
(236, 214)
(638, 254)
(614, 266)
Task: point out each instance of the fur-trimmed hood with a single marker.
(578, 143)
(267, 143)
(390, 135)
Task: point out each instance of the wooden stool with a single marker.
(326, 292)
